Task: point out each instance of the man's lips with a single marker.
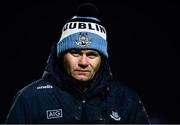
(82, 71)
(79, 70)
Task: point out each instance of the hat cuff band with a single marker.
(94, 42)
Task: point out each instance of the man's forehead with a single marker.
(83, 50)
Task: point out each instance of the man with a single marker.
(77, 85)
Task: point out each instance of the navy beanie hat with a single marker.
(83, 31)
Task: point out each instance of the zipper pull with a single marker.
(84, 101)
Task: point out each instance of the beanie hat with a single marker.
(83, 31)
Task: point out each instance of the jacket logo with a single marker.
(45, 87)
(57, 113)
(83, 40)
(115, 116)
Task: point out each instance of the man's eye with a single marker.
(75, 53)
(92, 55)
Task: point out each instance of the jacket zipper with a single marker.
(83, 116)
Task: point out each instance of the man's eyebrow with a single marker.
(93, 52)
(75, 50)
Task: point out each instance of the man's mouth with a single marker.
(82, 72)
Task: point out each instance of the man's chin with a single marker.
(82, 79)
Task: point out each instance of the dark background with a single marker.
(143, 48)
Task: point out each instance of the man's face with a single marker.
(82, 64)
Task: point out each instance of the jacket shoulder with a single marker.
(36, 87)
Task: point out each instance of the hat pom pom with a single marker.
(87, 10)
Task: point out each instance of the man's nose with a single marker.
(83, 61)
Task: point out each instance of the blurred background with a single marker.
(143, 48)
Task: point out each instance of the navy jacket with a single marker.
(58, 98)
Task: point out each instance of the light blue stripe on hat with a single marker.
(83, 40)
